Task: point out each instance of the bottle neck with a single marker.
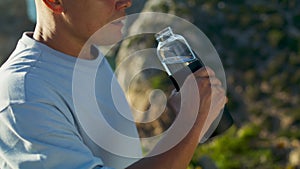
(164, 34)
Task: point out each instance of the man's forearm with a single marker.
(178, 157)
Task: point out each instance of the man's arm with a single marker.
(178, 157)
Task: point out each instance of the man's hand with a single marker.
(198, 103)
(211, 93)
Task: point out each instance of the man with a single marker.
(40, 126)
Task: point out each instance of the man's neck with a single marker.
(58, 40)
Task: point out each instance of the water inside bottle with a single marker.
(177, 59)
(176, 63)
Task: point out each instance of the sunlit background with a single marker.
(259, 44)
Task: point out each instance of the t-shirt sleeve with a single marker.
(38, 135)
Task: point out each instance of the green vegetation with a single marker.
(238, 148)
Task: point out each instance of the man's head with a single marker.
(74, 21)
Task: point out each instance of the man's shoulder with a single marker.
(21, 80)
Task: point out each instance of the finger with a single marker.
(208, 81)
(220, 94)
(215, 81)
(204, 72)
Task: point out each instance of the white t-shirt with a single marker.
(55, 113)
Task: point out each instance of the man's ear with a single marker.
(54, 5)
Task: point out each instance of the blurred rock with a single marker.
(142, 83)
(294, 157)
(272, 123)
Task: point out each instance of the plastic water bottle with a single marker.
(179, 60)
